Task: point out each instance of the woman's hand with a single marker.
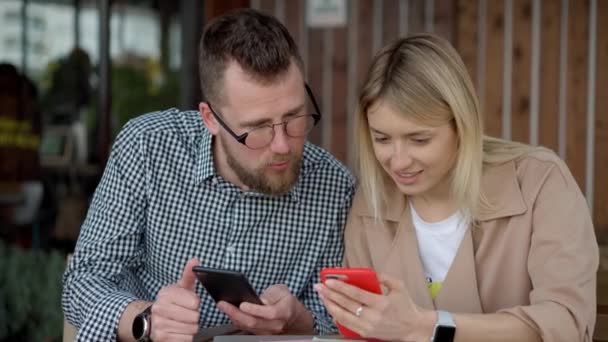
(392, 316)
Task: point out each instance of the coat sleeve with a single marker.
(562, 262)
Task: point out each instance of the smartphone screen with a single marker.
(229, 286)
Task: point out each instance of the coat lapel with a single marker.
(404, 262)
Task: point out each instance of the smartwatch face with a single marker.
(445, 334)
(138, 327)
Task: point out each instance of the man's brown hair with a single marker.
(259, 43)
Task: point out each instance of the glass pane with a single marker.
(145, 57)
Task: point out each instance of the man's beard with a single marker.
(277, 184)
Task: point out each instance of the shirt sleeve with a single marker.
(108, 246)
(332, 257)
(562, 263)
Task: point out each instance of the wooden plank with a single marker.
(390, 21)
(494, 68)
(339, 95)
(465, 37)
(364, 46)
(576, 130)
(444, 18)
(600, 203)
(216, 8)
(522, 57)
(416, 17)
(549, 74)
(293, 20)
(315, 79)
(267, 6)
(601, 326)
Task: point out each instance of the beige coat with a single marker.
(534, 255)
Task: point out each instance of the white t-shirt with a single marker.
(438, 243)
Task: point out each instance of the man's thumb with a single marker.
(188, 278)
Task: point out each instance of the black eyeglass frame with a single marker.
(241, 138)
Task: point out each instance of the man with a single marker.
(233, 186)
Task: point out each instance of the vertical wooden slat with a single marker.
(390, 21)
(429, 14)
(404, 17)
(303, 39)
(445, 19)
(482, 23)
(216, 8)
(520, 100)
(293, 20)
(577, 89)
(507, 70)
(549, 74)
(591, 91)
(315, 74)
(339, 92)
(364, 48)
(600, 202)
(535, 71)
(493, 90)
(352, 64)
(377, 26)
(280, 9)
(465, 38)
(327, 87)
(267, 6)
(416, 19)
(563, 78)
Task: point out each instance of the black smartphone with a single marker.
(229, 286)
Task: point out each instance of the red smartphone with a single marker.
(363, 278)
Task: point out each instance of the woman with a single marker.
(476, 238)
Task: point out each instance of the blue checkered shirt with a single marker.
(161, 202)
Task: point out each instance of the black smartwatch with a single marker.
(142, 326)
(445, 328)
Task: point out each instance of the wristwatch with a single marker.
(445, 328)
(142, 326)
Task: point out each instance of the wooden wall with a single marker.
(540, 68)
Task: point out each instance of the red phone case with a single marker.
(364, 278)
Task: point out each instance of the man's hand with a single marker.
(176, 312)
(281, 313)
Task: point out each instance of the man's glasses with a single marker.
(260, 137)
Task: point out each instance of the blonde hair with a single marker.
(424, 78)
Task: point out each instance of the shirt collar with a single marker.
(205, 169)
(499, 184)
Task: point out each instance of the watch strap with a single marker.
(445, 318)
(445, 327)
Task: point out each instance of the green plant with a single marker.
(136, 91)
(30, 294)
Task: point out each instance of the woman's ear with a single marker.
(208, 118)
